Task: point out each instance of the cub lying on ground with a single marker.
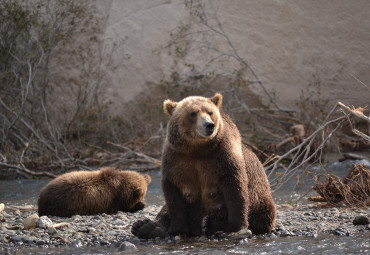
(107, 190)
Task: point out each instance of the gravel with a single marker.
(115, 230)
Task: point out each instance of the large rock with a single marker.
(43, 222)
(361, 220)
(30, 221)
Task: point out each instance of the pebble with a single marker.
(343, 216)
(104, 242)
(40, 242)
(334, 210)
(52, 231)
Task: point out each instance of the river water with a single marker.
(25, 192)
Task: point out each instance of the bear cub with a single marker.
(107, 190)
(211, 181)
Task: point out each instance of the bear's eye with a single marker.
(210, 113)
(193, 114)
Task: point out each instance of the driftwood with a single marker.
(353, 190)
(24, 208)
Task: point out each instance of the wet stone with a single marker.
(285, 233)
(75, 244)
(127, 246)
(360, 220)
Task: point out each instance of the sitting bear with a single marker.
(211, 181)
(92, 192)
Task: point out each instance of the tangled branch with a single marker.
(353, 190)
(303, 154)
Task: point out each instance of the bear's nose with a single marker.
(210, 127)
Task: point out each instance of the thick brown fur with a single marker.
(92, 192)
(212, 175)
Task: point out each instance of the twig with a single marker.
(361, 134)
(27, 171)
(357, 112)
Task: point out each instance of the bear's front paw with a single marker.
(147, 229)
(235, 226)
(178, 229)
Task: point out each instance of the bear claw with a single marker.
(147, 229)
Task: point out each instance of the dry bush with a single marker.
(53, 67)
(353, 190)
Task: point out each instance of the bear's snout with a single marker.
(210, 127)
(205, 126)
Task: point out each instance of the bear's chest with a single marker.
(198, 180)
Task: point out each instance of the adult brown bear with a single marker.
(92, 192)
(210, 180)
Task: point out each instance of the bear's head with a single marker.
(194, 119)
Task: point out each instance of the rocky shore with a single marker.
(22, 229)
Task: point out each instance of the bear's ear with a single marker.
(169, 106)
(217, 99)
(147, 178)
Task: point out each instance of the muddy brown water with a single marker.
(25, 192)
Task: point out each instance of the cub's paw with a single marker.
(147, 229)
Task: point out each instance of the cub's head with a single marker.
(194, 119)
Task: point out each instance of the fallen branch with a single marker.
(23, 169)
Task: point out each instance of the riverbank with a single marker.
(113, 231)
